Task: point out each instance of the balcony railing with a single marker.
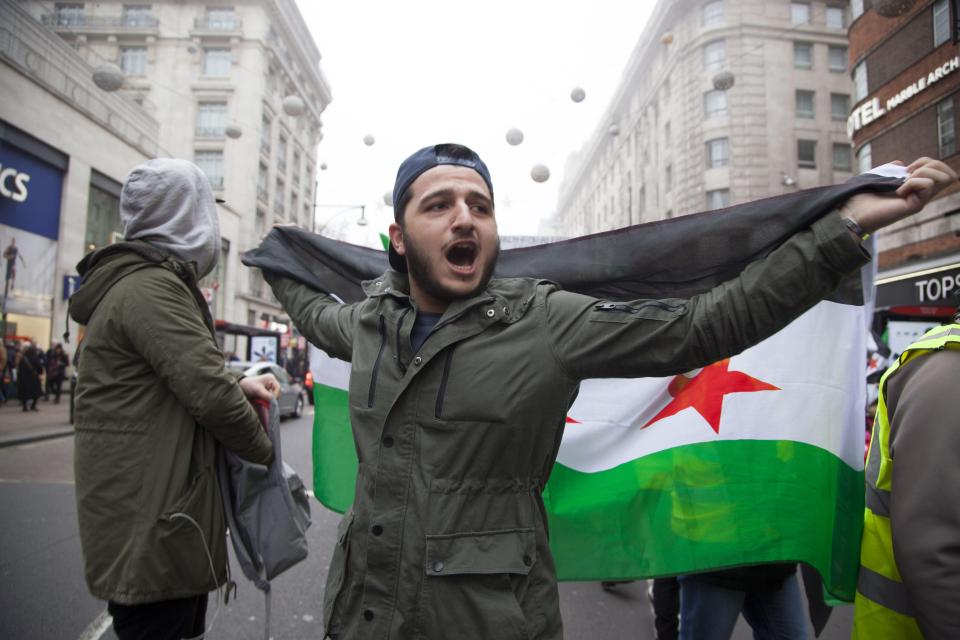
(85, 20)
(226, 24)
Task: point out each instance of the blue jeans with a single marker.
(709, 612)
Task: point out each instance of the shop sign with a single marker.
(933, 287)
(70, 286)
(872, 109)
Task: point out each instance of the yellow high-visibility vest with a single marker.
(882, 607)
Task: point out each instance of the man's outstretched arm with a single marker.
(664, 337)
(323, 321)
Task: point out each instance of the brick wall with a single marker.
(869, 29)
(903, 49)
(929, 248)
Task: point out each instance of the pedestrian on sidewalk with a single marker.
(3, 373)
(153, 401)
(57, 363)
(460, 384)
(29, 369)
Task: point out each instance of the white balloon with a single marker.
(578, 94)
(233, 131)
(323, 166)
(540, 173)
(514, 137)
(369, 140)
(293, 105)
(108, 76)
(388, 198)
(723, 80)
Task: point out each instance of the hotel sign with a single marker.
(872, 109)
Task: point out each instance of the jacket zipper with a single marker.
(403, 367)
(443, 382)
(376, 364)
(625, 308)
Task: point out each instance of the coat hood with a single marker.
(168, 203)
(102, 269)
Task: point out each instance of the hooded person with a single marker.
(153, 400)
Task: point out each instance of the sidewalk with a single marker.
(49, 421)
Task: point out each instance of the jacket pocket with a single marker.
(473, 584)
(332, 605)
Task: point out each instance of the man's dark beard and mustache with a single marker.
(419, 269)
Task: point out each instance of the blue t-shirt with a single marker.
(422, 326)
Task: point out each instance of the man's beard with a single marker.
(418, 267)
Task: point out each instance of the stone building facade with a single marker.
(671, 143)
(215, 76)
(65, 148)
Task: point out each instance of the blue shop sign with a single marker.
(70, 286)
(30, 192)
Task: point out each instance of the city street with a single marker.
(44, 595)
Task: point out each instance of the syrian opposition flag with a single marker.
(757, 458)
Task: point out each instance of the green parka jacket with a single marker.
(152, 397)
(447, 536)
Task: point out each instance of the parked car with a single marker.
(292, 397)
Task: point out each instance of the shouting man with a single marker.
(460, 385)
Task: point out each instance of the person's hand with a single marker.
(263, 387)
(926, 177)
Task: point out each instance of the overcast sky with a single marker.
(426, 71)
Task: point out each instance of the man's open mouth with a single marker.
(462, 256)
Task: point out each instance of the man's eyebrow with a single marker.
(447, 193)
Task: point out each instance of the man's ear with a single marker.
(396, 238)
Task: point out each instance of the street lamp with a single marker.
(344, 208)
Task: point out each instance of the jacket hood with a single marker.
(102, 269)
(168, 203)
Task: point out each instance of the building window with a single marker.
(714, 103)
(221, 18)
(133, 60)
(714, 54)
(941, 22)
(279, 197)
(665, 90)
(216, 62)
(865, 158)
(137, 15)
(860, 82)
(668, 178)
(718, 199)
(265, 136)
(103, 219)
(666, 134)
(282, 153)
(263, 192)
(718, 153)
(211, 163)
(839, 106)
(836, 18)
(807, 154)
(803, 55)
(804, 102)
(294, 207)
(713, 12)
(837, 57)
(856, 8)
(799, 13)
(211, 119)
(69, 14)
(841, 156)
(296, 167)
(946, 128)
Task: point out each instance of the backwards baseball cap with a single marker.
(424, 160)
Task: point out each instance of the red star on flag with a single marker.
(704, 392)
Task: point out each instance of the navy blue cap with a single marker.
(424, 160)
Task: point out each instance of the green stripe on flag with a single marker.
(334, 454)
(710, 505)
